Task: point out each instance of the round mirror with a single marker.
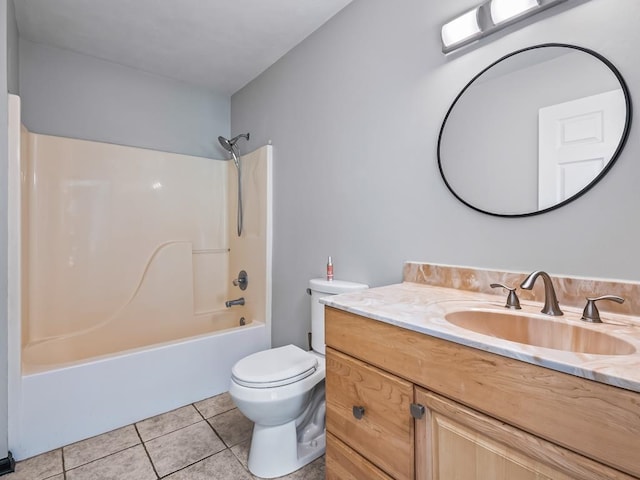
(534, 130)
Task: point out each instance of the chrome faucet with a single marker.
(231, 303)
(551, 306)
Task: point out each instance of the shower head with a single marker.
(229, 144)
(226, 144)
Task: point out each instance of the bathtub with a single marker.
(115, 313)
(66, 399)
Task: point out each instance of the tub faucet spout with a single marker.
(551, 306)
(231, 303)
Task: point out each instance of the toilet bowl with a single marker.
(282, 391)
(286, 434)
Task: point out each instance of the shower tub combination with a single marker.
(121, 260)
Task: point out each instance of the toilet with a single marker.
(282, 391)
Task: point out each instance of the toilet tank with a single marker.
(319, 288)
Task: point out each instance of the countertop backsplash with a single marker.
(571, 291)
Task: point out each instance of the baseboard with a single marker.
(7, 465)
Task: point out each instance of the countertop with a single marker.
(422, 308)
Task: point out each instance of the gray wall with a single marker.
(3, 230)
(73, 95)
(12, 49)
(354, 114)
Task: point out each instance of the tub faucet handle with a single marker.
(591, 313)
(242, 281)
(512, 299)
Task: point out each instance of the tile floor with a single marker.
(206, 440)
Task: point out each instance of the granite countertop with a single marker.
(422, 308)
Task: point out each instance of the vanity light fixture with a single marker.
(487, 18)
(461, 29)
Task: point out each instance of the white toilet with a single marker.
(282, 391)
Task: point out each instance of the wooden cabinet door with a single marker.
(454, 442)
(383, 430)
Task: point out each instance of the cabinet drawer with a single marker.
(384, 433)
(343, 463)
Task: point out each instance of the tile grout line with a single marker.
(245, 467)
(199, 412)
(64, 468)
(211, 426)
(219, 413)
(218, 436)
(214, 431)
(100, 458)
(146, 451)
(192, 464)
(176, 430)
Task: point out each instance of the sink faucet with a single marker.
(231, 303)
(551, 306)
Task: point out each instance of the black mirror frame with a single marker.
(614, 157)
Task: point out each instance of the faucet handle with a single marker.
(512, 299)
(591, 313)
(242, 281)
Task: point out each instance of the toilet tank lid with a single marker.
(323, 285)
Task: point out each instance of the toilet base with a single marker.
(275, 451)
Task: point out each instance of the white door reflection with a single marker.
(576, 139)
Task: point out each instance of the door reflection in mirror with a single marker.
(576, 139)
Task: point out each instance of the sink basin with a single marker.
(539, 332)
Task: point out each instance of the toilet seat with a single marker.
(274, 368)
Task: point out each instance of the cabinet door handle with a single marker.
(358, 411)
(417, 411)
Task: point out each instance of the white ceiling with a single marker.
(218, 44)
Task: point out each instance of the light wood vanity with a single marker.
(475, 414)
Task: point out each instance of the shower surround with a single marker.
(125, 259)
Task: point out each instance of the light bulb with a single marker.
(460, 28)
(503, 10)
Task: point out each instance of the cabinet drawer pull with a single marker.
(417, 411)
(358, 411)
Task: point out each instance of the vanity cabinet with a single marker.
(476, 415)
